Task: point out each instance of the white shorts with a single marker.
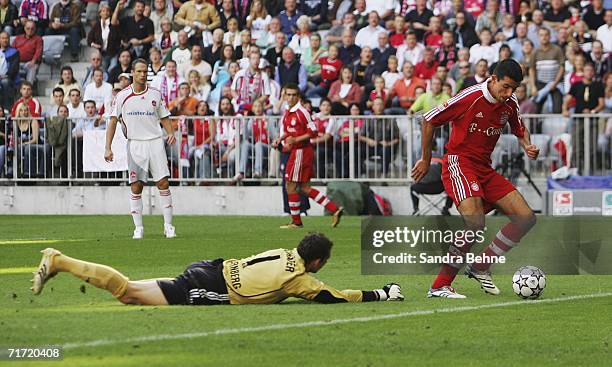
(147, 156)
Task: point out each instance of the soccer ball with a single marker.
(529, 282)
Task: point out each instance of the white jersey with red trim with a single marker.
(477, 120)
(140, 113)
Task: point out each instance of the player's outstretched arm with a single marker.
(308, 287)
(422, 165)
(110, 134)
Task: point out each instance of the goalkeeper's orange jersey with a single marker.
(274, 275)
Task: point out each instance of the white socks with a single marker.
(136, 209)
(165, 199)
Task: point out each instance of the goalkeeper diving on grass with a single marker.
(265, 278)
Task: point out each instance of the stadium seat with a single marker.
(53, 47)
(553, 126)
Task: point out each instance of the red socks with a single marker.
(294, 208)
(506, 239)
(323, 200)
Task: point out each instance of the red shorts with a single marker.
(299, 165)
(463, 179)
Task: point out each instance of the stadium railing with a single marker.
(361, 148)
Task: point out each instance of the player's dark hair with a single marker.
(509, 68)
(314, 246)
(139, 61)
(293, 86)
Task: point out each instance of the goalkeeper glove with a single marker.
(390, 292)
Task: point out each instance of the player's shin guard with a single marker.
(294, 207)
(100, 276)
(165, 199)
(504, 241)
(449, 271)
(136, 209)
(322, 200)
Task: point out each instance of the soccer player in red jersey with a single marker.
(298, 129)
(478, 115)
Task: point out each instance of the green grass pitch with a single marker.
(479, 331)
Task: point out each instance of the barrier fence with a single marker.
(361, 148)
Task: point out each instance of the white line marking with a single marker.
(161, 337)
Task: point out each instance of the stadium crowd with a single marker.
(228, 57)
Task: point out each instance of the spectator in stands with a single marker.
(241, 9)
(349, 51)
(344, 91)
(450, 18)
(323, 142)
(67, 81)
(91, 121)
(557, 16)
(156, 66)
(125, 79)
(330, 70)
(168, 82)
(317, 10)
(504, 53)
(426, 68)
(57, 101)
(137, 31)
(587, 94)
(167, 37)
(546, 71)
(105, 37)
(392, 74)
(212, 53)
(581, 36)
(300, 41)
(482, 67)
(490, 19)
(604, 32)
(220, 74)
(464, 32)
(442, 74)
(124, 66)
(381, 137)
(361, 15)
(379, 91)
(528, 52)
(8, 80)
(252, 84)
(402, 94)
(98, 90)
(180, 53)
(95, 63)
(312, 56)
(160, 13)
(242, 50)
(10, 20)
(254, 144)
(335, 33)
(575, 68)
(397, 36)
(196, 63)
(341, 131)
(411, 50)
(184, 104)
(200, 16)
(34, 106)
(28, 139)
(288, 18)
(267, 39)
(258, 20)
(464, 73)
(30, 47)
(226, 12)
(428, 100)
(4, 128)
(36, 11)
(447, 53)
(381, 53)
(601, 60)
(363, 70)
(291, 71)
(204, 134)
(65, 19)
(274, 54)
(516, 43)
(508, 27)
(484, 49)
(368, 36)
(462, 55)
(419, 18)
(199, 89)
(594, 15)
(433, 37)
(76, 109)
(533, 30)
(232, 35)
(526, 105)
(226, 135)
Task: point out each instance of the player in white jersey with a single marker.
(140, 109)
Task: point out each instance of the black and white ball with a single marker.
(529, 282)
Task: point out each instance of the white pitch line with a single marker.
(161, 337)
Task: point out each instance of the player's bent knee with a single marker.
(163, 184)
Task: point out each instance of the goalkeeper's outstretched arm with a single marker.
(308, 287)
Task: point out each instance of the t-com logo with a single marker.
(563, 203)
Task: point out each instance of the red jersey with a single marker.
(33, 105)
(260, 131)
(477, 121)
(425, 72)
(201, 130)
(374, 94)
(321, 122)
(330, 70)
(296, 122)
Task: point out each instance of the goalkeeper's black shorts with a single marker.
(202, 283)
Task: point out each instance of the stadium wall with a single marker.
(188, 200)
